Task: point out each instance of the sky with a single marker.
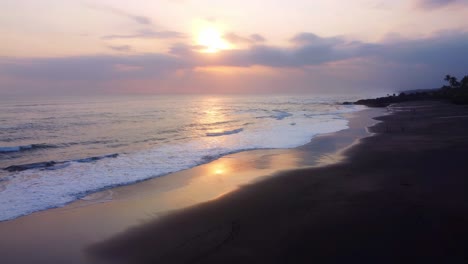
(72, 47)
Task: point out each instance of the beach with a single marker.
(397, 196)
(142, 132)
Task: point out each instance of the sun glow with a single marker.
(212, 40)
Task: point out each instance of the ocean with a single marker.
(54, 151)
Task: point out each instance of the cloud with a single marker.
(143, 20)
(257, 38)
(397, 64)
(306, 38)
(309, 49)
(91, 68)
(121, 48)
(148, 34)
(433, 4)
(184, 50)
(446, 49)
(441, 50)
(250, 40)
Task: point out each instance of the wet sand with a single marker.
(399, 197)
(72, 234)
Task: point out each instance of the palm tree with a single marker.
(452, 80)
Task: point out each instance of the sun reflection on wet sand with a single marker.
(203, 183)
(215, 179)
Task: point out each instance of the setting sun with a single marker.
(212, 40)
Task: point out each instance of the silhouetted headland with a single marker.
(455, 92)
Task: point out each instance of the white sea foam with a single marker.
(224, 133)
(27, 191)
(280, 115)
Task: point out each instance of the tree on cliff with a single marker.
(464, 82)
(452, 80)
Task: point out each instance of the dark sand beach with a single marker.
(399, 198)
(396, 197)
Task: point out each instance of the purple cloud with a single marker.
(95, 68)
(257, 38)
(121, 48)
(237, 39)
(433, 4)
(306, 38)
(148, 34)
(143, 20)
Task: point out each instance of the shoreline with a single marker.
(95, 196)
(126, 206)
(96, 189)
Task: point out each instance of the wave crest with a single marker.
(26, 148)
(53, 165)
(224, 133)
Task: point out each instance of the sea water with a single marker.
(55, 151)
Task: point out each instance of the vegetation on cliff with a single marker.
(455, 92)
